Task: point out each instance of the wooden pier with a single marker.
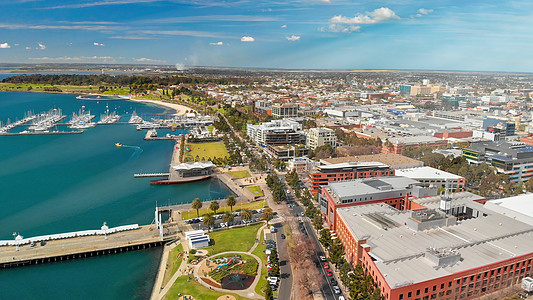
(147, 236)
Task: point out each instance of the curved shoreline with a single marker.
(178, 108)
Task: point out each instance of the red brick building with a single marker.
(463, 253)
(391, 190)
(347, 171)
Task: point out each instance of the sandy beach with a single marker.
(180, 109)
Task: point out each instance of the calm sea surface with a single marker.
(61, 183)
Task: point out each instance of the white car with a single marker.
(322, 258)
(341, 298)
(336, 289)
(273, 280)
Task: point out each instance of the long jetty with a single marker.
(31, 251)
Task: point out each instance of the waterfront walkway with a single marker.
(76, 247)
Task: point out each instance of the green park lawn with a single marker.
(256, 190)
(260, 252)
(205, 151)
(234, 239)
(173, 263)
(239, 174)
(193, 288)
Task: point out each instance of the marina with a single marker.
(112, 196)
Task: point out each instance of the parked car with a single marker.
(342, 298)
(322, 258)
(326, 266)
(336, 289)
(328, 271)
(283, 236)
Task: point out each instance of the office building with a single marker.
(514, 159)
(466, 253)
(316, 137)
(391, 190)
(276, 132)
(285, 110)
(431, 177)
(346, 171)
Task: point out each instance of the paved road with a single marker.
(297, 210)
(285, 286)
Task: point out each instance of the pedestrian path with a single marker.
(184, 268)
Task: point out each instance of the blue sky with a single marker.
(308, 34)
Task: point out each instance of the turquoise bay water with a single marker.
(60, 183)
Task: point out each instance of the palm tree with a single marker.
(209, 221)
(228, 218)
(267, 215)
(246, 215)
(197, 204)
(231, 202)
(214, 206)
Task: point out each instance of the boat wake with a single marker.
(136, 152)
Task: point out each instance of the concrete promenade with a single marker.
(64, 249)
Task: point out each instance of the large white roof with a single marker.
(518, 207)
(194, 165)
(426, 173)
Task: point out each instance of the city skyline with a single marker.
(316, 34)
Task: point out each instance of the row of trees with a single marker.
(276, 188)
(120, 80)
(360, 285)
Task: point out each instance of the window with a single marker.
(417, 292)
(426, 290)
(401, 296)
(409, 294)
(442, 286)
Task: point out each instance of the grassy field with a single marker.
(234, 239)
(205, 151)
(189, 214)
(184, 287)
(256, 190)
(239, 174)
(174, 263)
(260, 252)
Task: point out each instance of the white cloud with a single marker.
(41, 46)
(149, 60)
(283, 26)
(98, 44)
(340, 28)
(74, 59)
(377, 16)
(28, 48)
(4, 46)
(217, 44)
(247, 39)
(425, 11)
(293, 38)
(327, 1)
